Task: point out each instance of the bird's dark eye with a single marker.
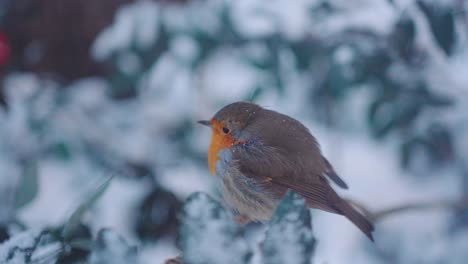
(226, 130)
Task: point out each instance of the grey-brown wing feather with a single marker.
(288, 135)
(287, 156)
(331, 173)
(269, 166)
(278, 179)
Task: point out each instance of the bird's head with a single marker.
(227, 127)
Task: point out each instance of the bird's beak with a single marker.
(205, 123)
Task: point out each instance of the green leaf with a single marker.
(208, 235)
(442, 22)
(378, 117)
(257, 92)
(83, 244)
(377, 63)
(289, 237)
(28, 186)
(305, 51)
(111, 248)
(403, 36)
(408, 150)
(75, 219)
(393, 112)
(61, 150)
(441, 143)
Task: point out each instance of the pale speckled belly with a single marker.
(242, 194)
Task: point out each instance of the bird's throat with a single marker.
(219, 141)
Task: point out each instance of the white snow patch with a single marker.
(134, 23)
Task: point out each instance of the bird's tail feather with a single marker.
(357, 218)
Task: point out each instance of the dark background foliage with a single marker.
(97, 88)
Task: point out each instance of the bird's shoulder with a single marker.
(282, 131)
(281, 139)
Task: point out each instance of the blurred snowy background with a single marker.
(90, 89)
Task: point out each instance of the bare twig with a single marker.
(378, 215)
(176, 260)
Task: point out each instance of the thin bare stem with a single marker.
(378, 215)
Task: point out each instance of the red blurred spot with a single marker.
(4, 49)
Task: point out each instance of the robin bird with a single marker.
(258, 154)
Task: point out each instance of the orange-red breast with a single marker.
(259, 154)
